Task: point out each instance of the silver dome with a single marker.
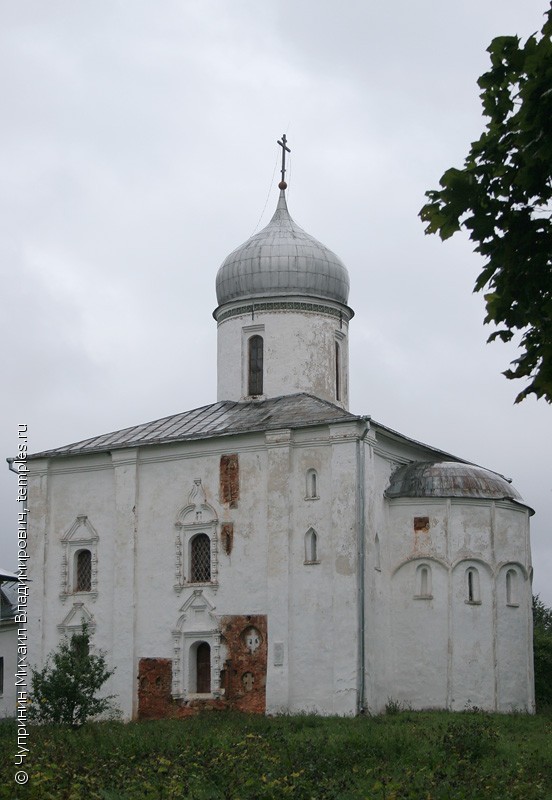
(449, 479)
(282, 260)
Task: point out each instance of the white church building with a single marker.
(272, 551)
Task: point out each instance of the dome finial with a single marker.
(283, 185)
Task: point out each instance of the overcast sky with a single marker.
(138, 148)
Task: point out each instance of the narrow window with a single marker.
(423, 581)
(312, 484)
(203, 668)
(311, 547)
(255, 371)
(1, 674)
(472, 577)
(377, 553)
(200, 559)
(337, 371)
(511, 588)
(83, 571)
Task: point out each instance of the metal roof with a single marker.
(218, 419)
(282, 259)
(449, 479)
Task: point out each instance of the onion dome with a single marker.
(450, 479)
(282, 259)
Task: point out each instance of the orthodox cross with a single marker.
(285, 148)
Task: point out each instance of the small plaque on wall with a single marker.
(278, 654)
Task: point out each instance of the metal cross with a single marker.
(285, 148)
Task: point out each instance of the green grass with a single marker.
(227, 756)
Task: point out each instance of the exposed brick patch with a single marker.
(421, 524)
(230, 480)
(227, 537)
(154, 688)
(243, 674)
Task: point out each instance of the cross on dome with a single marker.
(285, 148)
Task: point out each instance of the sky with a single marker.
(138, 148)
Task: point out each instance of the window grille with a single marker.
(200, 559)
(83, 582)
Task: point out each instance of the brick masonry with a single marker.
(243, 674)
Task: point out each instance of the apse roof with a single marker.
(218, 419)
(450, 479)
(282, 259)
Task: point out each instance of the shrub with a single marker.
(542, 652)
(64, 691)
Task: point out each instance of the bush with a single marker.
(542, 652)
(64, 691)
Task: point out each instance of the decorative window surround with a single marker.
(74, 620)
(196, 624)
(80, 536)
(197, 517)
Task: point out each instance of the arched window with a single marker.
(255, 366)
(472, 585)
(423, 581)
(311, 547)
(200, 559)
(83, 571)
(511, 587)
(312, 485)
(337, 371)
(203, 668)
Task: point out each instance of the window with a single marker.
(377, 553)
(312, 485)
(1, 675)
(255, 366)
(83, 571)
(311, 547)
(203, 668)
(423, 582)
(511, 588)
(200, 559)
(472, 586)
(337, 371)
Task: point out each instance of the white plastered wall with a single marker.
(299, 354)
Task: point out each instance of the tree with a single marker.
(64, 691)
(503, 196)
(542, 652)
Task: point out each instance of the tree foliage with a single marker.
(542, 652)
(502, 196)
(64, 691)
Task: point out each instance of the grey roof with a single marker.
(449, 479)
(218, 419)
(282, 259)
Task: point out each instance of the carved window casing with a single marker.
(196, 649)
(196, 542)
(79, 562)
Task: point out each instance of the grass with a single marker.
(227, 756)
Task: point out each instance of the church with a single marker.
(272, 551)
